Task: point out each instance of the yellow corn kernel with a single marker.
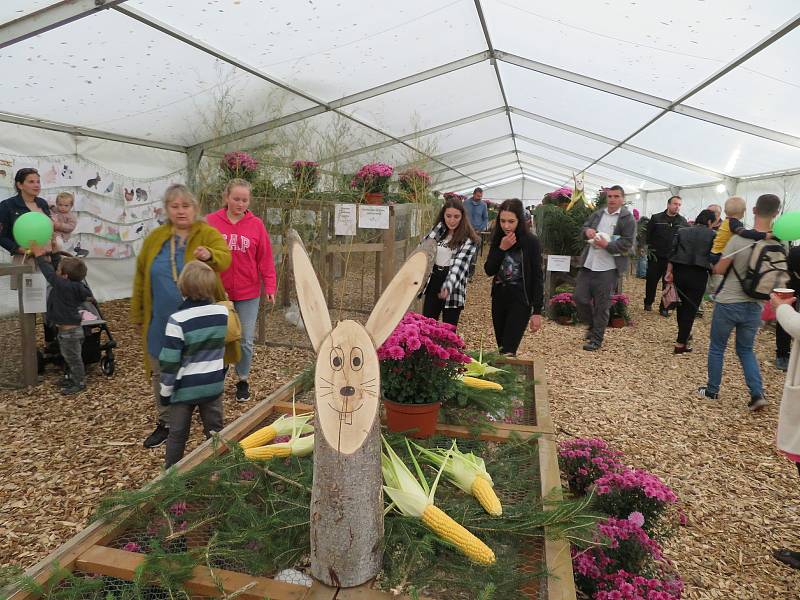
(446, 528)
(484, 492)
(259, 438)
(484, 384)
(268, 452)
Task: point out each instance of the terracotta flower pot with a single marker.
(417, 420)
(617, 322)
(373, 198)
(564, 320)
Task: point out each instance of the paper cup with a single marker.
(783, 292)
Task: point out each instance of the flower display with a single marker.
(132, 547)
(372, 178)
(609, 569)
(562, 305)
(420, 360)
(619, 307)
(305, 174)
(239, 164)
(622, 492)
(583, 461)
(627, 586)
(453, 195)
(413, 181)
(560, 196)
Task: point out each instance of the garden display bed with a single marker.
(108, 554)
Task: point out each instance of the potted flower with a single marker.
(372, 179)
(305, 174)
(562, 308)
(419, 362)
(239, 165)
(414, 182)
(453, 196)
(618, 315)
(559, 197)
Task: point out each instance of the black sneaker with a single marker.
(591, 346)
(704, 393)
(663, 312)
(756, 403)
(648, 307)
(73, 388)
(158, 437)
(242, 391)
(782, 363)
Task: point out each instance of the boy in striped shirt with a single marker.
(192, 368)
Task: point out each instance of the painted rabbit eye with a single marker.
(356, 359)
(337, 359)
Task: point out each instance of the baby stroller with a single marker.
(96, 349)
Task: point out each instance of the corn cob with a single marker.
(268, 452)
(480, 383)
(484, 492)
(297, 446)
(468, 473)
(413, 498)
(283, 426)
(446, 528)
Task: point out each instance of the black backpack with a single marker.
(767, 269)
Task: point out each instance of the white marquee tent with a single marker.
(690, 96)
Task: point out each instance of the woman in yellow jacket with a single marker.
(155, 286)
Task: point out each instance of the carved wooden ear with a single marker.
(310, 298)
(397, 296)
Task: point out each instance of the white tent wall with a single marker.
(126, 166)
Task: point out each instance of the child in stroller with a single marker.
(95, 349)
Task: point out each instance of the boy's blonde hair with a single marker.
(735, 207)
(198, 281)
(66, 195)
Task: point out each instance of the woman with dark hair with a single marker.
(456, 242)
(688, 269)
(28, 186)
(515, 263)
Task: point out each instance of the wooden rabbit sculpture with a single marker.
(347, 496)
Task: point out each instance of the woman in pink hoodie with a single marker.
(252, 264)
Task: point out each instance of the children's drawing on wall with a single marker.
(7, 172)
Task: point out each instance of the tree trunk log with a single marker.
(347, 512)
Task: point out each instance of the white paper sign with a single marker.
(34, 297)
(558, 262)
(344, 219)
(373, 217)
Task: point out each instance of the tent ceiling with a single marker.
(647, 93)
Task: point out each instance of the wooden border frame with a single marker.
(87, 551)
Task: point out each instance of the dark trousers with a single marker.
(180, 419)
(656, 270)
(510, 316)
(433, 305)
(592, 296)
(690, 282)
(783, 343)
(70, 344)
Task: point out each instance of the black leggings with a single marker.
(510, 316)
(690, 282)
(433, 305)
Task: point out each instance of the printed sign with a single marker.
(558, 262)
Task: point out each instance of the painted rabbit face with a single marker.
(347, 382)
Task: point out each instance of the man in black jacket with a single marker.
(660, 231)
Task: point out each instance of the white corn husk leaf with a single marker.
(460, 468)
(287, 425)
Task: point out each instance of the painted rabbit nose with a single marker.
(347, 390)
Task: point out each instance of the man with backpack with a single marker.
(751, 271)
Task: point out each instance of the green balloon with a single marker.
(32, 226)
(787, 227)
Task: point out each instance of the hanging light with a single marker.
(720, 188)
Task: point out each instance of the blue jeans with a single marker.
(248, 313)
(745, 317)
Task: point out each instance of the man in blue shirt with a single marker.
(478, 215)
